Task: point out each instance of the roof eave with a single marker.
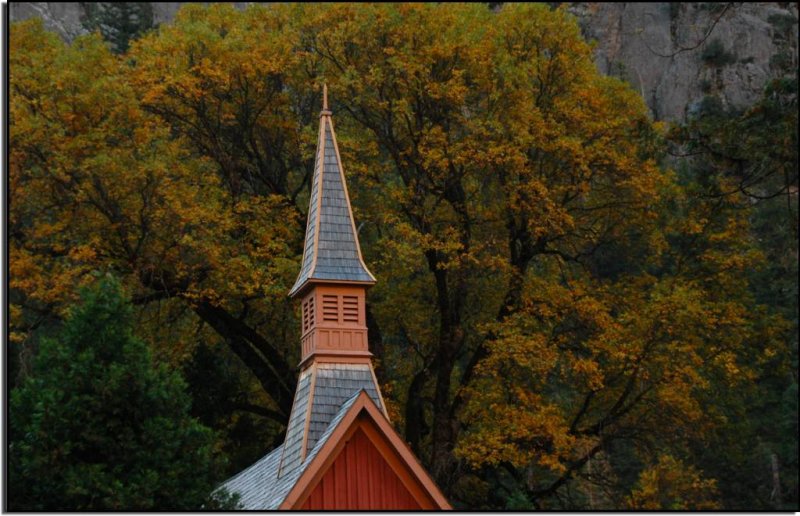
(302, 288)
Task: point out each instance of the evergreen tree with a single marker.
(98, 426)
(118, 22)
(564, 323)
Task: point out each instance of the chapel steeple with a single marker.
(340, 450)
(333, 277)
(332, 252)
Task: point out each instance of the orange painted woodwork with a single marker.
(360, 478)
(362, 458)
(333, 322)
(340, 450)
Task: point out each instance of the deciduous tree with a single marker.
(546, 289)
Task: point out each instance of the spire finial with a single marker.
(324, 97)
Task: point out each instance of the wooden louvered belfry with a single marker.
(340, 450)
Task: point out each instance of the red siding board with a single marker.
(389, 489)
(369, 480)
(360, 478)
(352, 478)
(327, 492)
(340, 482)
(381, 479)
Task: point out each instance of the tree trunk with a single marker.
(267, 364)
(451, 338)
(415, 415)
(775, 496)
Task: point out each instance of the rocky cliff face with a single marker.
(675, 54)
(66, 17)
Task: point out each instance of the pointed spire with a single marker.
(325, 111)
(332, 252)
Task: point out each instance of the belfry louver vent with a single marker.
(350, 308)
(308, 314)
(330, 308)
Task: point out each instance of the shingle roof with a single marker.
(260, 487)
(331, 249)
(330, 389)
(334, 384)
(293, 442)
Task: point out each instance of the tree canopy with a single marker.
(560, 319)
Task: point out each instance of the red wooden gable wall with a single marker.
(360, 478)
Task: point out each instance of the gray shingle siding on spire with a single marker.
(332, 426)
(293, 442)
(265, 484)
(308, 251)
(259, 486)
(335, 383)
(336, 255)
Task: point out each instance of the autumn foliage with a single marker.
(556, 310)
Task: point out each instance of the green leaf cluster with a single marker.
(98, 426)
